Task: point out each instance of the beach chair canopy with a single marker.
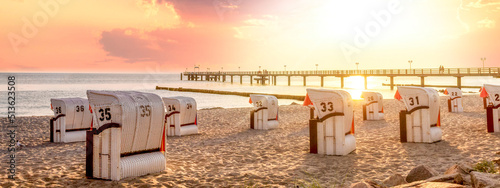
(492, 93)
(76, 111)
(329, 103)
(370, 96)
(266, 101)
(416, 98)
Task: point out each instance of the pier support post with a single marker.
(263, 80)
(342, 82)
(224, 78)
(231, 78)
(392, 82)
(251, 80)
(422, 81)
(181, 76)
(366, 82)
(288, 80)
(459, 82)
(274, 79)
(322, 81)
(241, 79)
(304, 80)
(196, 77)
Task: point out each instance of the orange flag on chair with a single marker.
(307, 101)
(445, 92)
(483, 94)
(250, 100)
(397, 96)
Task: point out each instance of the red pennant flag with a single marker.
(382, 110)
(445, 92)
(352, 126)
(51, 107)
(196, 120)
(307, 101)
(483, 94)
(250, 100)
(397, 95)
(90, 108)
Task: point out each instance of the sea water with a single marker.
(34, 90)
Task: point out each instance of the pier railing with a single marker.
(488, 71)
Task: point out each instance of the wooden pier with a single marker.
(262, 77)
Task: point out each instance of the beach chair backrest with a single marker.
(141, 116)
(76, 111)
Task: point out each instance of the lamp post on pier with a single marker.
(410, 61)
(357, 63)
(285, 67)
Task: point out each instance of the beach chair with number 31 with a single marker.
(420, 121)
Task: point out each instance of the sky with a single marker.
(168, 36)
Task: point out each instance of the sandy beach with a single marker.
(227, 153)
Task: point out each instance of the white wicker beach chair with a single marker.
(181, 116)
(129, 138)
(71, 121)
(264, 115)
(332, 131)
(373, 106)
(492, 94)
(420, 121)
(455, 103)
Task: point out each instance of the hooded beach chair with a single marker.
(373, 107)
(420, 121)
(71, 121)
(332, 130)
(180, 116)
(492, 94)
(264, 115)
(455, 103)
(128, 138)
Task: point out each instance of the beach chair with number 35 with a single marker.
(128, 138)
(264, 115)
(332, 130)
(420, 121)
